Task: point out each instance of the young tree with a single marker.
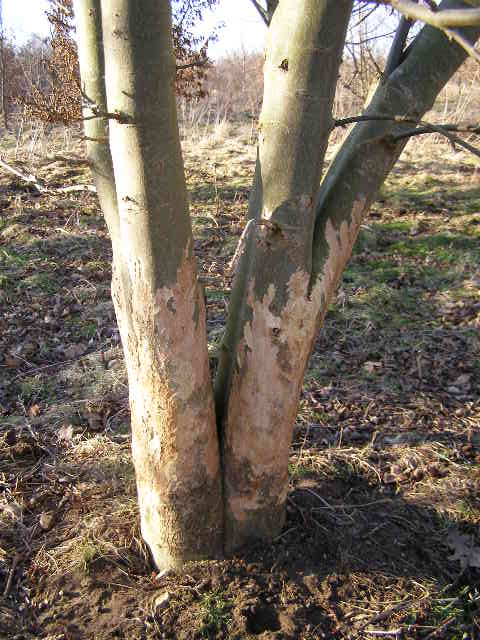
(212, 467)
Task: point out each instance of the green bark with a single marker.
(367, 155)
(92, 69)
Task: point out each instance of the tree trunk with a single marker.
(3, 74)
(88, 17)
(367, 156)
(272, 315)
(159, 305)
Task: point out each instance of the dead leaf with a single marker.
(95, 421)
(34, 411)
(464, 551)
(12, 362)
(463, 381)
(74, 351)
(65, 432)
(436, 470)
(372, 367)
(47, 520)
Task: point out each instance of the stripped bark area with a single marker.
(339, 243)
(174, 439)
(264, 410)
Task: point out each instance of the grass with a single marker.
(215, 614)
(89, 553)
(452, 611)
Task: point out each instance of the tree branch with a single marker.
(396, 50)
(261, 11)
(452, 34)
(189, 65)
(426, 127)
(440, 19)
(29, 179)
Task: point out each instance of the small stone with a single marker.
(10, 437)
(74, 351)
(417, 474)
(163, 574)
(47, 520)
(114, 365)
(455, 391)
(161, 602)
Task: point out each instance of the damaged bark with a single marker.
(271, 320)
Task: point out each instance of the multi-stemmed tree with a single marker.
(211, 463)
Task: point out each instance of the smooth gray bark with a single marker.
(92, 69)
(297, 247)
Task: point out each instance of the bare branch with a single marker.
(190, 65)
(396, 50)
(426, 127)
(263, 13)
(448, 18)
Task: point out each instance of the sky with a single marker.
(243, 25)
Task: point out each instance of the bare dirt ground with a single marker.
(382, 536)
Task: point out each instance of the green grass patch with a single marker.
(41, 281)
(9, 258)
(34, 389)
(215, 614)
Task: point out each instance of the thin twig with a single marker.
(440, 19)
(8, 586)
(439, 631)
(444, 130)
(383, 615)
(29, 179)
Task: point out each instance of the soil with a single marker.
(382, 530)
